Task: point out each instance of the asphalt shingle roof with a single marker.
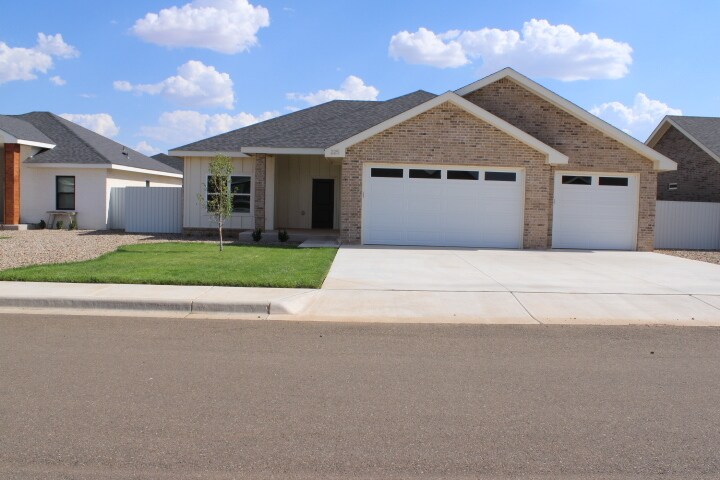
(175, 162)
(76, 144)
(22, 130)
(705, 130)
(317, 127)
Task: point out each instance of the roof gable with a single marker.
(702, 131)
(660, 162)
(553, 156)
(16, 130)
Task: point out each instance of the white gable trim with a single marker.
(103, 166)
(665, 125)
(283, 150)
(552, 155)
(146, 171)
(190, 153)
(661, 162)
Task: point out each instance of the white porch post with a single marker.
(269, 192)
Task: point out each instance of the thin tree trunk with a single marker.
(221, 240)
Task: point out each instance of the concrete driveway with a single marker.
(519, 286)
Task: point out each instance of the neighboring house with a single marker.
(51, 163)
(502, 162)
(175, 162)
(694, 143)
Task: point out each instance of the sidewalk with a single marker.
(359, 305)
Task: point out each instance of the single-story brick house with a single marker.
(694, 143)
(50, 164)
(502, 162)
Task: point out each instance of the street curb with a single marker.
(98, 303)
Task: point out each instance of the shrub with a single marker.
(257, 234)
(73, 224)
(59, 224)
(42, 225)
(283, 236)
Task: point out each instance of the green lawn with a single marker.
(191, 264)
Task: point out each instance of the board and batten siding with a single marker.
(687, 225)
(293, 188)
(194, 181)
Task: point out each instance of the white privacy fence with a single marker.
(687, 225)
(146, 209)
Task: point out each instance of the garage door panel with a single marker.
(470, 212)
(595, 216)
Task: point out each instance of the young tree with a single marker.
(218, 200)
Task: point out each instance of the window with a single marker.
(417, 173)
(147, 183)
(500, 176)
(462, 175)
(240, 189)
(672, 186)
(64, 193)
(386, 172)
(573, 180)
(613, 181)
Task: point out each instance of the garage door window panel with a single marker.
(613, 181)
(500, 176)
(576, 180)
(462, 175)
(386, 172)
(425, 174)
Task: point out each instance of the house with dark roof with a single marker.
(502, 162)
(694, 144)
(50, 164)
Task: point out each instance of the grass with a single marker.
(191, 264)
(3, 238)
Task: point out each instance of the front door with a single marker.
(323, 203)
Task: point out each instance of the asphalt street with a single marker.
(111, 398)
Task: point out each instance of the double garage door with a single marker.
(484, 207)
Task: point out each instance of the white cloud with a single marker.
(57, 80)
(88, 95)
(225, 26)
(424, 47)
(184, 126)
(539, 49)
(146, 149)
(195, 85)
(352, 88)
(637, 119)
(19, 63)
(101, 123)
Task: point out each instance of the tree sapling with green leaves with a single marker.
(218, 200)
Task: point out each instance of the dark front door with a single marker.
(323, 203)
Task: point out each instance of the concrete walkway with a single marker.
(422, 285)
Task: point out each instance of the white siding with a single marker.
(690, 225)
(37, 195)
(293, 189)
(195, 178)
(153, 210)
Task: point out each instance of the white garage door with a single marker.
(595, 211)
(443, 206)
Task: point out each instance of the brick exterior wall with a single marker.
(11, 214)
(697, 175)
(447, 135)
(587, 148)
(259, 206)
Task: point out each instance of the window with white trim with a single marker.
(240, 188)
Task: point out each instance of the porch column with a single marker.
(259, 190)
(11, 215)
(269, 192)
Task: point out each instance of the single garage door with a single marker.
(595, 211)
(443, 206)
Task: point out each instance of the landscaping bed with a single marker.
(710, 256)
(191, 263)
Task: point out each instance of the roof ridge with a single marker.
(82, 140)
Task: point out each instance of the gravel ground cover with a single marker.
(32, 247)
(710, 256)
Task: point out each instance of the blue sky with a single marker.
(158, 74)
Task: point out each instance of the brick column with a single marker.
(260, 191)
(11, 215)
